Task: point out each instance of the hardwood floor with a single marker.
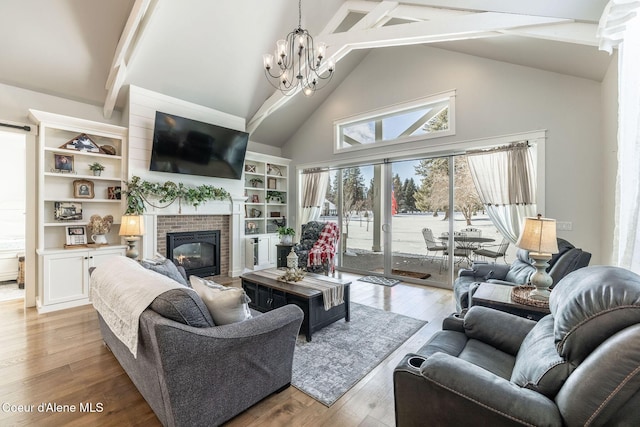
(59, 359)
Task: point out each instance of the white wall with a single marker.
(492, 99)
(609, 162)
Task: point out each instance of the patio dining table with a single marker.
(465, 245)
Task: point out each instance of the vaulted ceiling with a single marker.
(210, 52)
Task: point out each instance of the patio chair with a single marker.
(432, 244)
(500, 251)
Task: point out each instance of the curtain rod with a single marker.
(508, 147)
(25, 128)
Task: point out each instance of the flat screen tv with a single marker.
(191, 147)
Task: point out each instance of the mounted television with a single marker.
(191, 147)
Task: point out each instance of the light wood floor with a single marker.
(59, 358)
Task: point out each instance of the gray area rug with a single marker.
(342, 353)
(379, 280)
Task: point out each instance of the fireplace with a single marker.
(197, 251)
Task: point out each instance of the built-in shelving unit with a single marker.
(266, 188)
(63, 279)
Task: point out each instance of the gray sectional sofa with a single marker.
(193, 373)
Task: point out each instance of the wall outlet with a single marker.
(564, 225)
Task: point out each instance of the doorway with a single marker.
(12, 215)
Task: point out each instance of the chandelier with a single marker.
(299, 62)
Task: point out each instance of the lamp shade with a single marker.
(132, 225)
(539, 235)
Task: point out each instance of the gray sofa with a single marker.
(193, 373)
(568, 259)
(578, 366)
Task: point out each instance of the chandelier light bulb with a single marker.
(267, 61)
(281, 48)
(322, 50)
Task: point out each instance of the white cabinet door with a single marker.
(64, 277)
(97, 257)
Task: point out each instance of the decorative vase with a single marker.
(286, 239)
(99, 239)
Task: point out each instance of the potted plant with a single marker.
(255, 181)
(97, 168)
(286, 235)
(275, 197)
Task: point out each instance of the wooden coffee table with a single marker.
(497, 296)
(268, 294)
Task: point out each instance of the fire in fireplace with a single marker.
(197, 251)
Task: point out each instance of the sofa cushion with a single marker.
(521, 269)
(165, 267)
(184, 306)
(590, 305)
(538, 365)
(226, 304)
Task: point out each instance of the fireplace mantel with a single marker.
(232, 208)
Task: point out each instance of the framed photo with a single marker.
(272, 183)
(76, 235)
(67, 211)
(83, 189)
(63, 163)
(82, 143)
(255, 199)
(114, 193)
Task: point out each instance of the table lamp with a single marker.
(132, 227)
(539, 238)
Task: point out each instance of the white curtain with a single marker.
(620, 27)
(506, 183)
(314, 189)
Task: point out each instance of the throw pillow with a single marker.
(226, 305)
(184, 306)
(166, 268)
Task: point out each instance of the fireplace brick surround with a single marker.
(180, 223)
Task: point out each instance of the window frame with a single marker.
(390, 111)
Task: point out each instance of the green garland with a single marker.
(138, 192)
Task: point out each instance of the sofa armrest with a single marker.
(443, 382)
(502, 282)
(483, 271)
(504, 331)
(220, 371)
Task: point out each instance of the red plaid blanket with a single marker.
(324, 249)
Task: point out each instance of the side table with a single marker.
(281, 254)
(499, 297)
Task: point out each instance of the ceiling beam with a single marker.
(131, 34)
(366, 35)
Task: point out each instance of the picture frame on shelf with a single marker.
(83, 189)
(67, 211)
(63, 163)
(255, 199)
(272, 183)
(114, 193)
(82, 142)
(252, 228)
(76, 235)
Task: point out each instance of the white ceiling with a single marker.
(210, 52)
